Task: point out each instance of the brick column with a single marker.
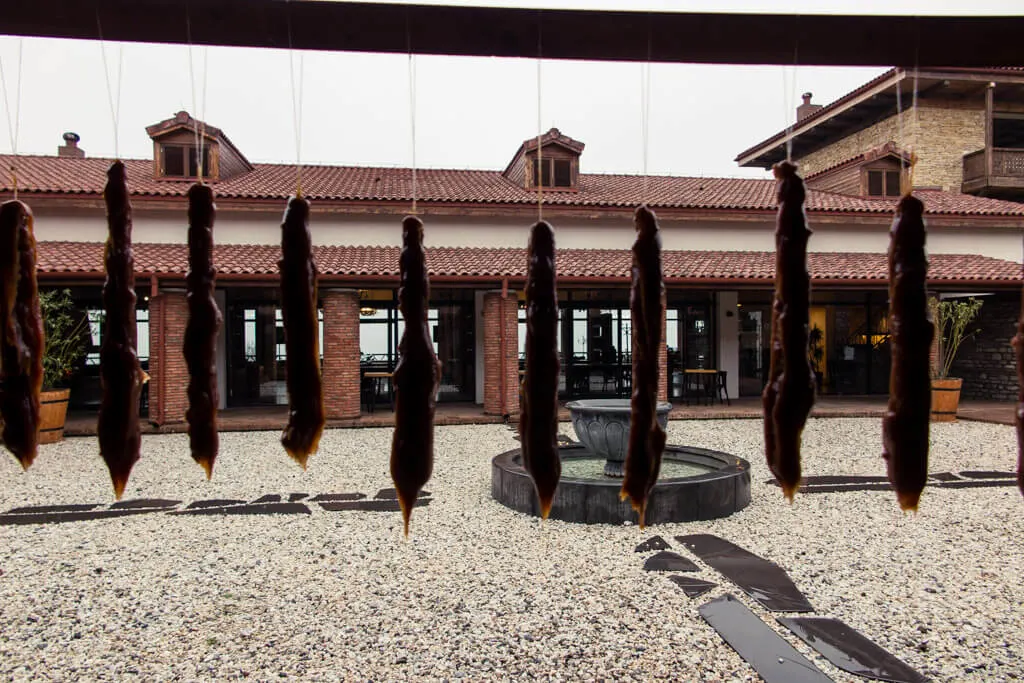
(168, 374)
(663, 360)
(496, 364)
(341, 353)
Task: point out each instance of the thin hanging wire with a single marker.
(412, 122)
(199, 109)
(645, 113)
(13, 122)
(113, 93)
(540, 125)
(789, 95)
(296, 106)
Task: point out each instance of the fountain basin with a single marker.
(602, 425)
(722, 489)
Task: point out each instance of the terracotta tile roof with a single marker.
(261, 260)
(46, 174)
(553, 135)
(821, 113)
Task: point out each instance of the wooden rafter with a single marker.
(506, 32)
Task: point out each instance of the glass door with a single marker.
(596, 346)
(755, 337)
(689, 336)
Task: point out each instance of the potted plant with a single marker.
(952, 318)
(816, 354)
(65, 332)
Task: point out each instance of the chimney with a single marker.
(70, 147)
(806, 109)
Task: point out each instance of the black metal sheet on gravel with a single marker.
(691, 586)
(843, 479)
(214, 503)
(850, 650)
(337, 496)
(45, 509)
(392, 494)
(152, 504)
(269, 498)
(666, 561)
(976, 483)
(261, 509)
(987, 474)
(763, 580)
(653, 543)
(367, 505)
(61, 517)
(772, 657)
(870, 486)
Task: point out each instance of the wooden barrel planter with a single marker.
(53, 409)
(945, 399)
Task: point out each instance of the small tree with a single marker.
(65, 337)
(952, 318)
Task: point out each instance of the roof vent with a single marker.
(70, 147)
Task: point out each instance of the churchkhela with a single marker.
(120, 373)
(204, 321)
(416, 377)
(538, 421)
(906, 421)
(306, 417)
(21, 339)
(789, 393)
(647, 304)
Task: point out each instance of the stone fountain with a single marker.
(695, 483)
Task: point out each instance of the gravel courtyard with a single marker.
(480, 592)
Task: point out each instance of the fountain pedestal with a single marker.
(602, 426)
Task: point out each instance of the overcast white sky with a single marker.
(470, 113)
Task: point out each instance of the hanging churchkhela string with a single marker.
(647, 308)
(906, 422)
(789, 394)
(418, 374)
(120, 373)
(21, 337)
(204, 318)
(301, 437)
(538, 419)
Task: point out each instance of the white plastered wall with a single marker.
(220, 296)
(577, 233)
(729, 339)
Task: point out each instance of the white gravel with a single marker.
(481, 592)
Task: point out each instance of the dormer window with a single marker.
(555, 167)
(176, 152)
(181, 161)
(884, 184)
(553, 173)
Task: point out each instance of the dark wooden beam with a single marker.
(506, 32)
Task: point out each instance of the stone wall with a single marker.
(986, 362)
(941, 136)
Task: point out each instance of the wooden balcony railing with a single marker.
(997, 169)
(975, 166)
